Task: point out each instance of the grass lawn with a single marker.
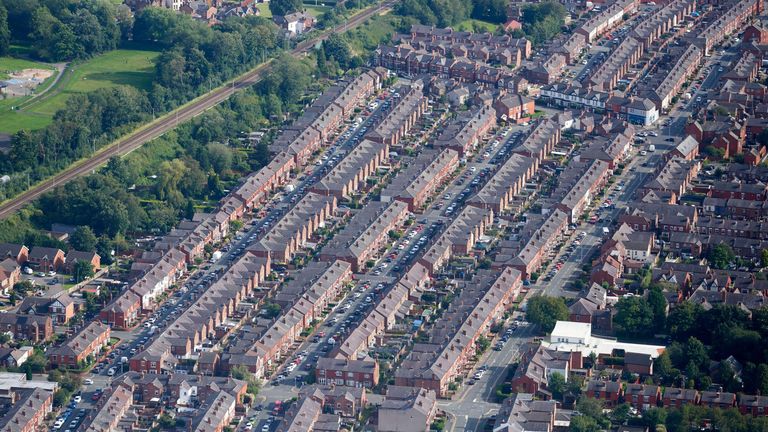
(316, 11)
(11, 64)
(120, 67)
(134, 67)
(264, 10)
(14, 121)
(470, 24)
(376, 30)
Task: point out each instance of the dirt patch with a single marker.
(23, 83)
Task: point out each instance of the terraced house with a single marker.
(87, 343)
(293, 230)
(349, 176)
(435, 365)
(499, 193)
(464, 133)
(420, 178)
(366, 233)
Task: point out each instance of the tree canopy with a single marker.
(284, 7)
(61, 30)
(83, 239)
(721, 256)
(543, 21)
(5, 31)
(442, 13)
(546, 311)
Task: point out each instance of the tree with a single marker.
(284, 7)
(494, 11)
(726, 376)
(272, 310)
(584, 424)
(546, 311)
(82, 270)
(755, 378)
(118, 168)
(5, 32)
(24, 287)
(124, 18)
(543, 21)
(591, 417)
(654, 416)
(166, 422)
(171, 173)
(663, 366)
(691, 356)
(242, 373)
(557, 385)
(151, 24)
(336, 47)
(634, 317)
(681, 322)
(764, 257)
(482, 343)
(220, 157)
(620, 414)
(658, 304)
(721, 256)
(83, 239)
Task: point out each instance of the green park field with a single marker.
(131, 67)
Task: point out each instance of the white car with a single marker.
(88, 381)
(111, 372)
(77, 399)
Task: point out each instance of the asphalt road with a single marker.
(633, 176)
(475, 404)
(169, 121)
